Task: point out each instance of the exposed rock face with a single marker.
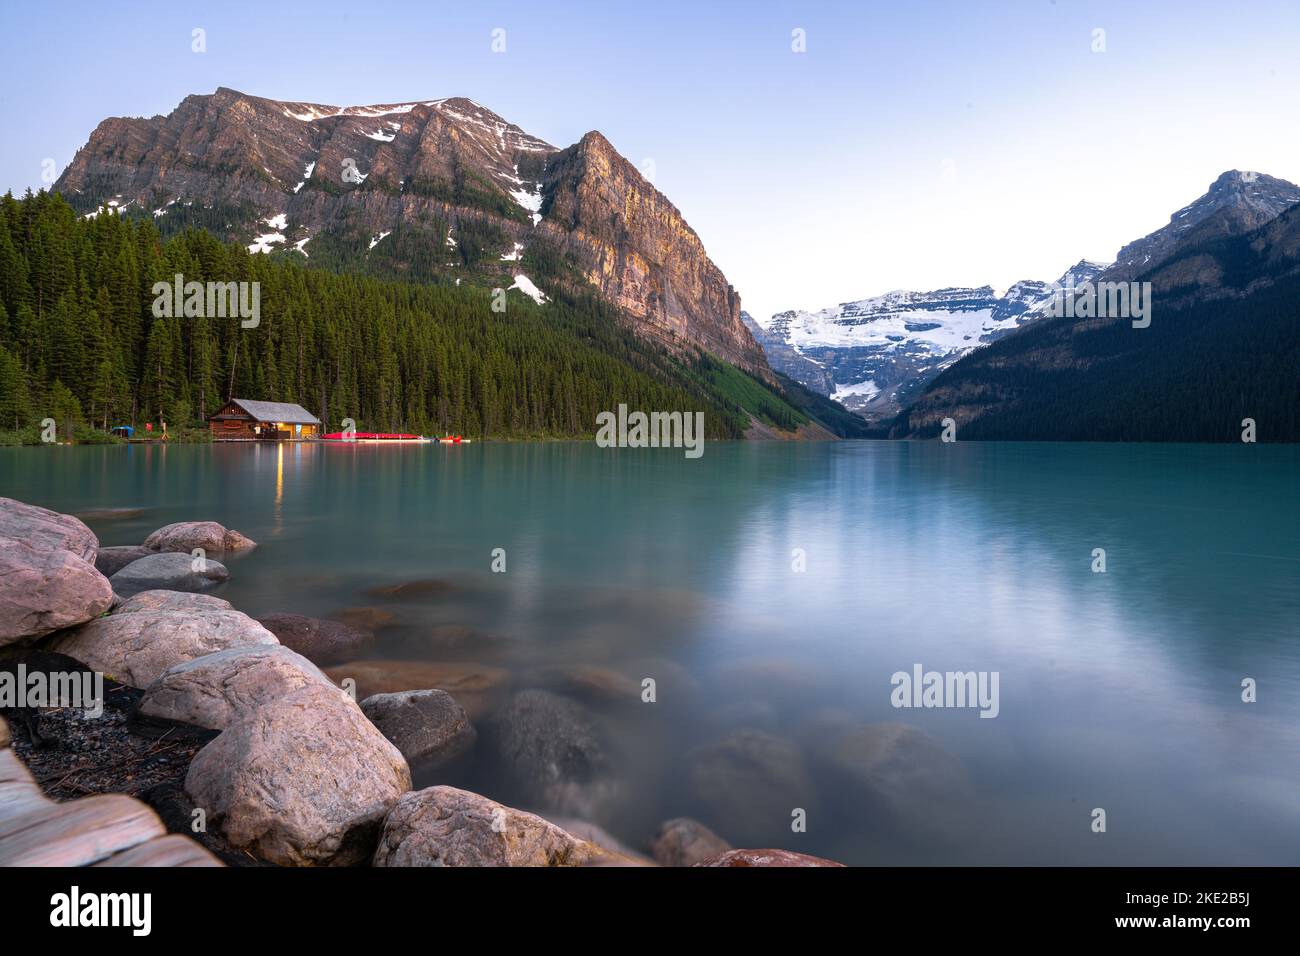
(138, 642)
(188, 535)
(427, 174)
(685, 842)
(111, 560)
(170, 571)
(639, 251)
(217, 689)
(302, 780)
(427, 726)
(321, 642)
(751, 782)
(551, 750)
(47, 576)
(765, 858)
(443, 826)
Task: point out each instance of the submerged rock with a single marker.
(303, 780)
(365, 618)
(111, 560)
(321, 642)
(551, 751)
(588, 682)
(185, 536)
(476, 687)
(410, 590)
(891, 774)
(685, 842)
(171, 571)
(765, 858)
(752, 782)
(217, 689)
(444, 826)
(153, 632)
(427, 726)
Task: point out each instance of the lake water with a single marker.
(1118, 690)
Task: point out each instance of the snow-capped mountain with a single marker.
(873, 355)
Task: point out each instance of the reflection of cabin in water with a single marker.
(244, 420)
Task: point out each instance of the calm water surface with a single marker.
(1118, 690)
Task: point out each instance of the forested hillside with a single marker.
(78, 340)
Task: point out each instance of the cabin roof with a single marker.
(285, 412)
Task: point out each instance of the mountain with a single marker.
(1223, 343)
(441, 190)
(876, 354)
(1236, 203)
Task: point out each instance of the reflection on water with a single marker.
(1118, 690)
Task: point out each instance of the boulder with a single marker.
(185, 536)
(46, 589)
(550, 750)
(444, 826)
(164, 600)
(685, 842)
(169, 571)
(321, 642)
(427, 726)
(751, 781)
(46, 530)
(476, 687)
(215, 690)
(765, 858)
(588, 682)
(111, 560)
(153, 632)
(892, 773)
(302, 780)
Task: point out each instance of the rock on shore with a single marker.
(47, 576)
(303, 780)
(154, 631)
(444, 826)
(171, 572)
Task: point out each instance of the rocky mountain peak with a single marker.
(1235, 203)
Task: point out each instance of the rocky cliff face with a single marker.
(443, 189)
(643, 256)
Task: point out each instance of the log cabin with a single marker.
(242, 419)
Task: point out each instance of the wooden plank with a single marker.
(174, 849)
(78, 833)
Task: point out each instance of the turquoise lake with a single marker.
(1119, 690)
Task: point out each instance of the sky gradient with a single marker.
(913, 146)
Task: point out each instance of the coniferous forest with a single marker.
(79, 343)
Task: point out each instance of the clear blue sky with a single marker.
(914, 145)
